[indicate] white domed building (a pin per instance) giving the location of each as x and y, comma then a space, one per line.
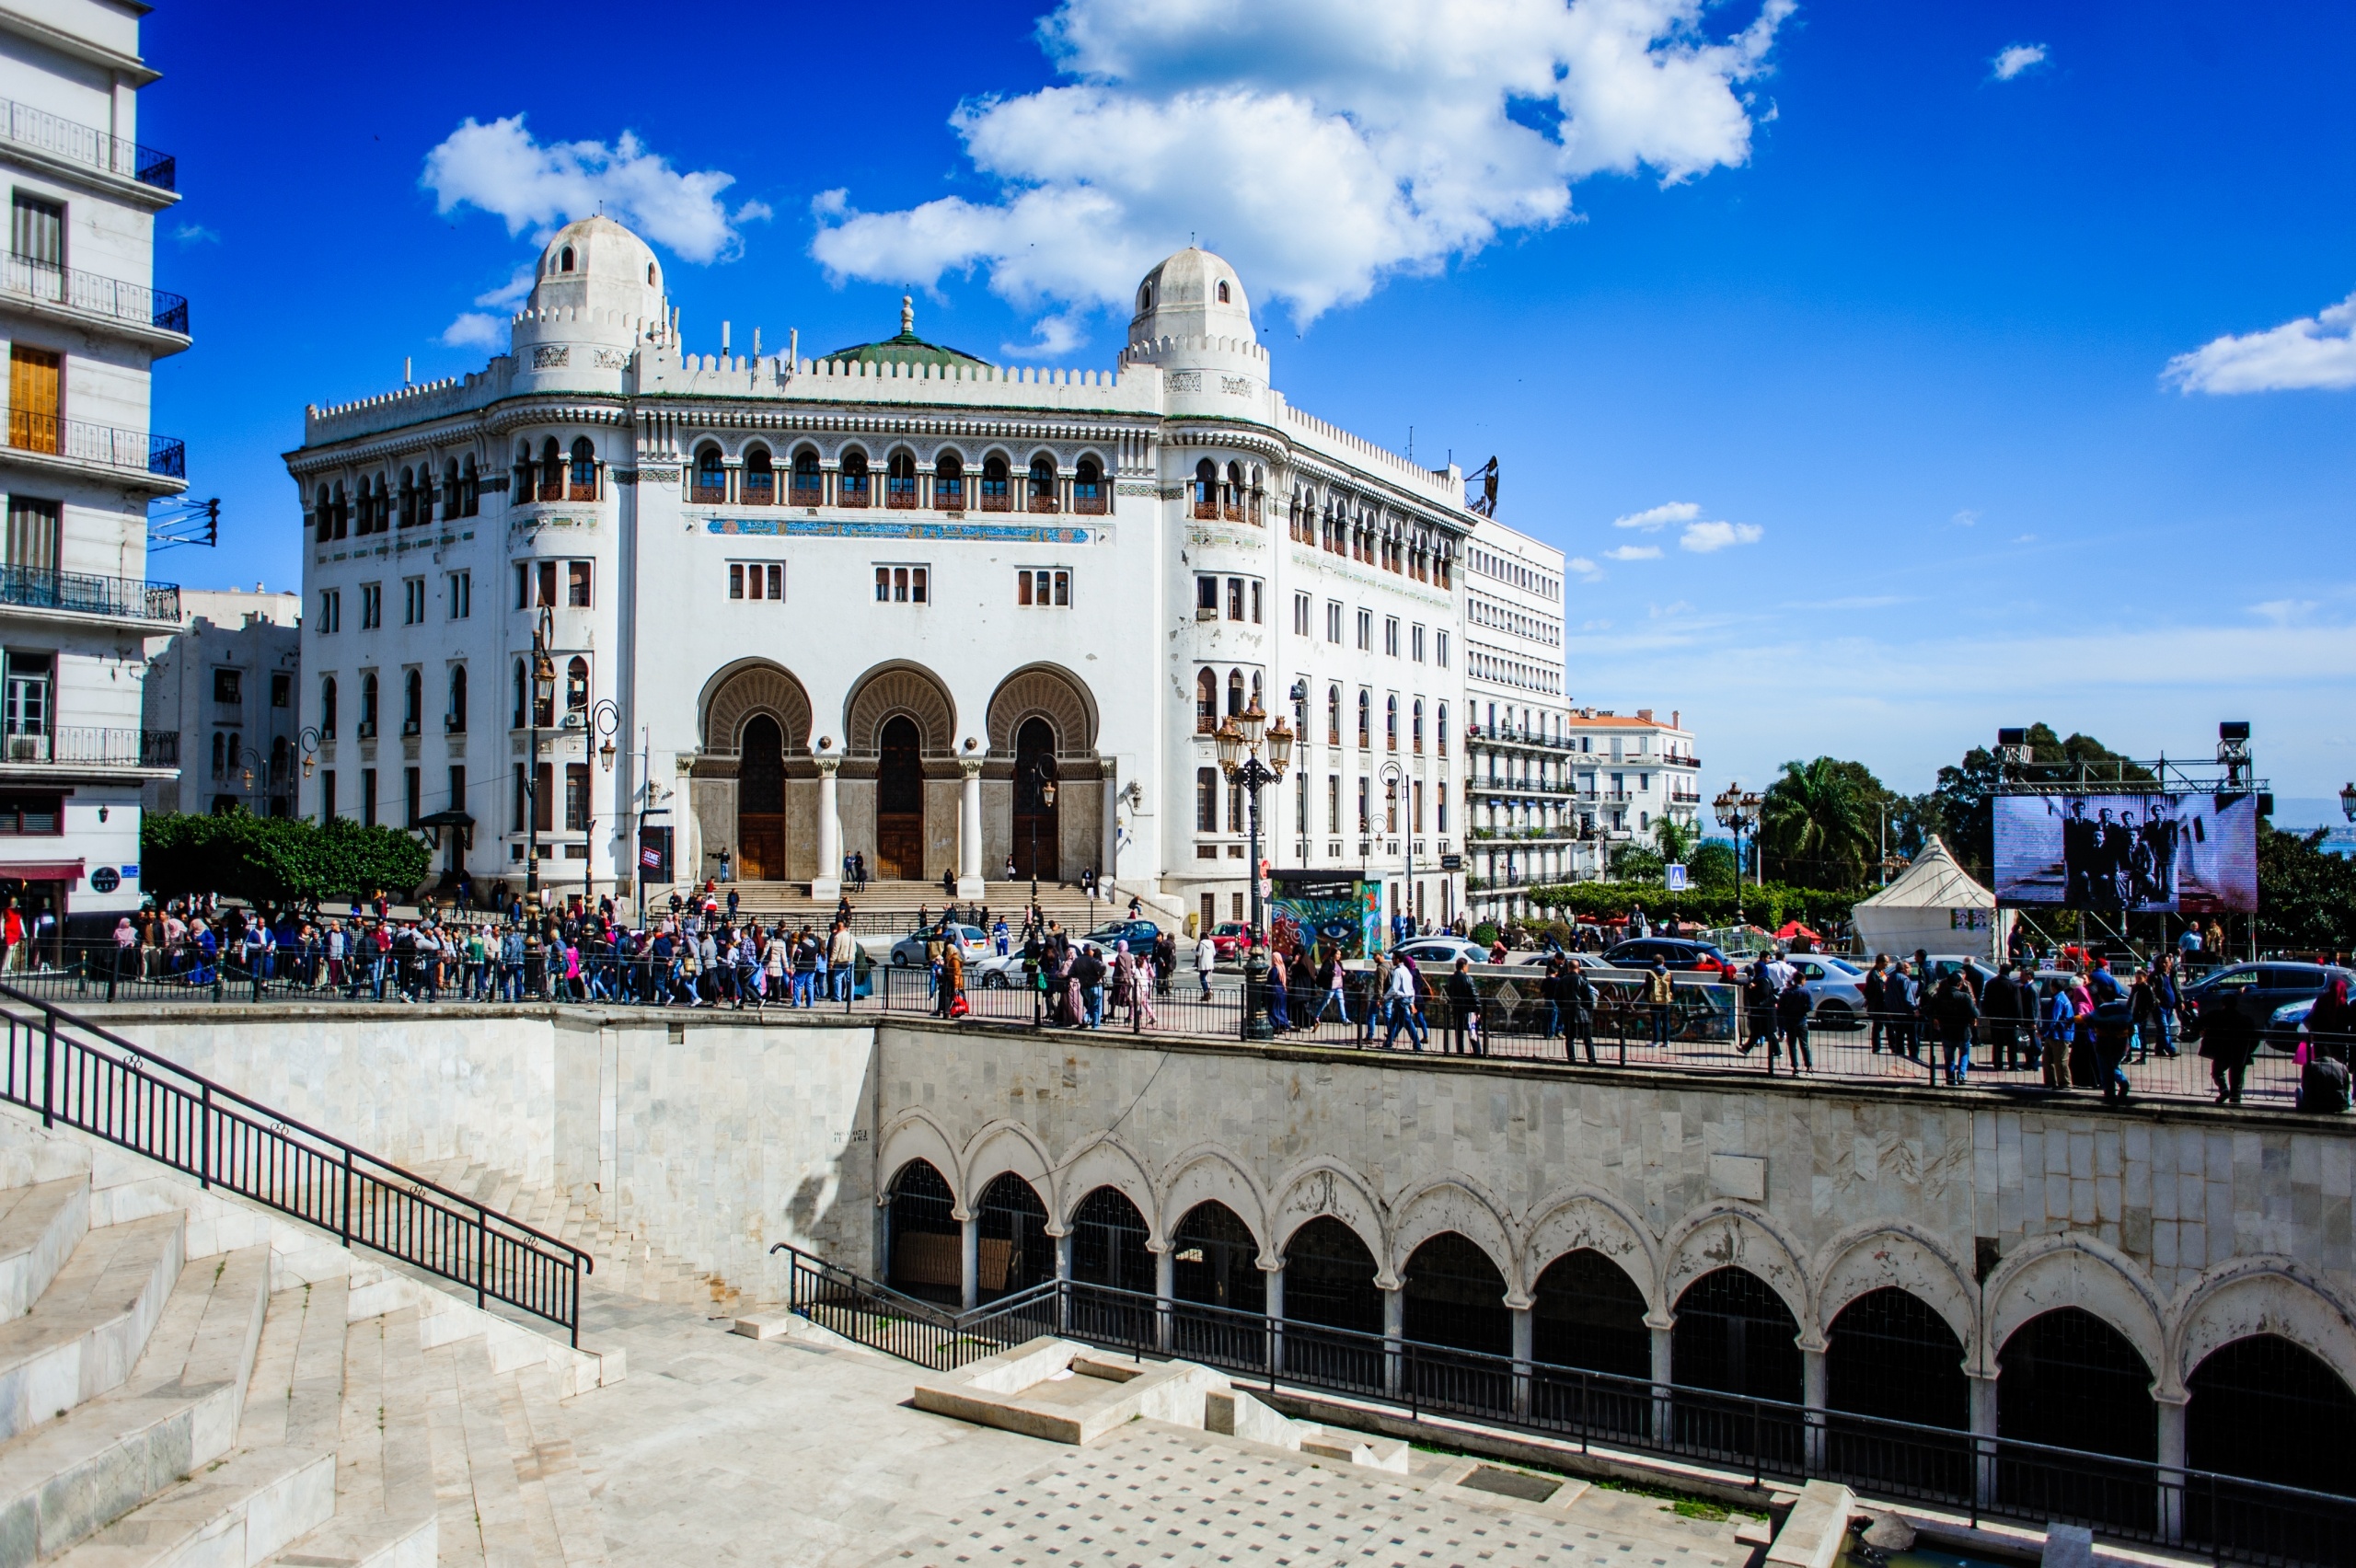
870, 601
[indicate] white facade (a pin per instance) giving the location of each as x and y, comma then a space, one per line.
226, 684
83, 324
1524, 831
864, 601
1631, 771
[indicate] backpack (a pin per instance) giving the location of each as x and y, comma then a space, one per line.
2323, 1087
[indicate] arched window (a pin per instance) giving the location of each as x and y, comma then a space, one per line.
710, 484
326, 708
452, 501
455, 720
1088, 486
809, 484
384, 506
407, 500
650, 275
1442, 734
948, 483
1043, 483
1456, 1296
1222, 288
759, 486
1235, 691
1416, 731
1233, 510
1145, 298
1366, 720
322, 518
1206, 703
583, 482
900, 480
368, 707
1390, 724
552, 470
220, 753
1207, 800
851, 489
1256, 692
576, 688
413, 702
342, 508
1334, 716
996, 496
524, 472
469, 489
1206, 488
564, 260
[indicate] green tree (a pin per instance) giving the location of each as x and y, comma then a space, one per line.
1674, 839
1962, 806
1636, 862
1810, 821
1712, 866
276, 860
2306, 895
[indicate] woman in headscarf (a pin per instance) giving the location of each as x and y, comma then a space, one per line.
2331, 1023
1135, 979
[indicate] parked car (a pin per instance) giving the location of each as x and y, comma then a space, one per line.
1139, 934
1835, 988
1677, 953
1227, 939
2259, 991
2287, 1025
1439, 954
972, 941
995, 974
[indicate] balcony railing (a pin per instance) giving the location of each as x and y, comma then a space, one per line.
806, 495
707, 495
53, 437
51, 284
86, 745
36, 588
900, 495
30, 127
1043, 501
1089, 504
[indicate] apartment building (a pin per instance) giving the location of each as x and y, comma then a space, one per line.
1630, 771
224, 687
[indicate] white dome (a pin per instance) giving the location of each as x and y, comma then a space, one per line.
597, 265
1192, 294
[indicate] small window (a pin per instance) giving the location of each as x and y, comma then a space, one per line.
1255, 603
901, 585
326, 708
1415, 644
1222, 291
1300, 615
576, 584
1235, 598
282, 689
1439, 649
227, 687
1390, 636
576, 686
31, 815
1366, 632
564, 260
1043, 587
372, 606
462, 594
1207, 594
412, 600
757, 580
1334, 623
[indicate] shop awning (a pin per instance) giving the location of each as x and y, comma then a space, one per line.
42, 871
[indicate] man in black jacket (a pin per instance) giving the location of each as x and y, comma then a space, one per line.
1463, 1012
2003, 1009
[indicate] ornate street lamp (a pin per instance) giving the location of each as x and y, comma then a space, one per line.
1737, 811
543, 690
1238, 742
1043, 781
2348, 801
603, 719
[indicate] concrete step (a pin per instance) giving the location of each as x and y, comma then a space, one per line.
177, 1412
39, 1227
295, 1395
509, 1486
364, 1541
88, 1328
238, 1512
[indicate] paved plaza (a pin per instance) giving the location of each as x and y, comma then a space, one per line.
719, 1450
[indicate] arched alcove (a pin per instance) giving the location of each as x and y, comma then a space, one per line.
1014, 1251
1735, 1335
926, 1242
2067, 1379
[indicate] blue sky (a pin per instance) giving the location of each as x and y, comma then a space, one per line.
1895, 308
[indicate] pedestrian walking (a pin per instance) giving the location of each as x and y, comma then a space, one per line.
1463, 1012
1658, 993
1791, 1019
1953, 1013
1206, 960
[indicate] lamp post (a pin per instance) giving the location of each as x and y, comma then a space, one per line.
1395, 788
1737, 811
1043, 781
602, 719
1239, 758
2348, 801
543, 690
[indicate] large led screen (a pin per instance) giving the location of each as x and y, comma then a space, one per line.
2138, 854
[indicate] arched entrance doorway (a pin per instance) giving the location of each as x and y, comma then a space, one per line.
760, 801
1214, 1262
926, 1242
1035, 825
2067, 1379
899, 800
2267, 1410
1587, 1313
1108, 1237
1890, 1356
1733, 1335
1329, 1283
1015, 1251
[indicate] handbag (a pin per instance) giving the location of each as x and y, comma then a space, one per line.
957, 1006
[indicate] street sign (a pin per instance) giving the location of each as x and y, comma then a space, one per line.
1452, 862
1674, 877
105, 879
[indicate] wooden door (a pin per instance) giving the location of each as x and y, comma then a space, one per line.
34, 378
899, 801
760, 801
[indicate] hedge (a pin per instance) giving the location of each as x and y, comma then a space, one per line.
1769, 907
277, 861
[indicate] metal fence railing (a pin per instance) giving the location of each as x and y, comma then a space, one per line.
1976, 1475
28, 277
72, 1071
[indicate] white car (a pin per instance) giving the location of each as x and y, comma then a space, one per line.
1441, 952
971, 943
995, 974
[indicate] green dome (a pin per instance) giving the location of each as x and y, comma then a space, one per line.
905, 349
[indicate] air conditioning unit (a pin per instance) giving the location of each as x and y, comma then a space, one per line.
1206, 612
24, 748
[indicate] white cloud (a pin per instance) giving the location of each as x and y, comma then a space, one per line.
1967, 518
1320, 146
1704, 539
1653, 518
1587, 570
503, 170
473, 330
1634, 552
2285, 611
1052, 337
2315, 353
196, 234
511, 292
1666, 612
2010, 63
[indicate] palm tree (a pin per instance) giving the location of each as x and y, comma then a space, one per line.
1812, 816
1676, 840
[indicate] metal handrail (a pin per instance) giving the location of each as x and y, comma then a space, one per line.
108, 1086
30, 127
31, 278
50, 436
36, 587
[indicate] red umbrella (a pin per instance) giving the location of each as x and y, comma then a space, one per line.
1793, 928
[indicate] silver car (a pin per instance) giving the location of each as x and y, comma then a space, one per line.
1835, 987
971, 943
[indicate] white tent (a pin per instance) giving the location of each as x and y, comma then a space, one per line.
1933, 906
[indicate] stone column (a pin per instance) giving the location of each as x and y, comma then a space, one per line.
1165, 1283
1275, 1273
969, 1261
1815, 1380
1524, 1336
1984, 1426
1063, 1275
969, 831
2171, 1404
1664, 1369
1394, 1328
828, 882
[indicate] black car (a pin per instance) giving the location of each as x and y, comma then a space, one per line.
1676, 951
2255, 990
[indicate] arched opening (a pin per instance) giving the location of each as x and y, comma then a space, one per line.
761, 801
900, 800
1891, 1356
552, 470
326, 708
1733, 1335
1088, 486
1587, 1314
759, 485
1206, 703
1043, 484
711, 483
809, 483
2267, 1410
407, 500
1455, 1296
455, 721
1206, 488
1234, 692
1329, 1283
582, 481
900, 480
996, 496
948, 483
368, 707
576, 689
1108, 1239
850, 486
926, 1242
564, 260
2067, 1379
1222, 291
1215, 1260
1014, 1251
413, 702
1036, 824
